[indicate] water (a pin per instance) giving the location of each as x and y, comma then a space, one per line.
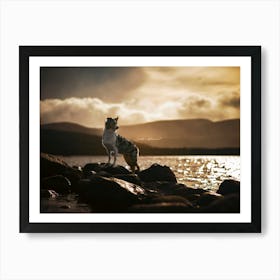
206, 172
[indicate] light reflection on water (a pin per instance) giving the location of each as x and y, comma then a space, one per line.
206, 172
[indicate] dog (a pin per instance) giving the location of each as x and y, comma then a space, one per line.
114, 144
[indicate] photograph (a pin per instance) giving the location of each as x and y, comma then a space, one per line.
140, 139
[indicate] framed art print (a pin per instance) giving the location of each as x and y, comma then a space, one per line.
140, 138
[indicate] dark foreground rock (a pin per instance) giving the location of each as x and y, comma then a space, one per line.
164, 204
100, 188
58, 183
227, 204
157, 173
163, 207
110, 194
51, 165
49, 194
102, 167
132, 178
63, 204
171, 188
207, 198
229, 187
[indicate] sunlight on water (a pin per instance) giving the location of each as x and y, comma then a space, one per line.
206, 172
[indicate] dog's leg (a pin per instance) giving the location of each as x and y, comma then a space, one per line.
135, 155
115, 155
132, 167
109, 157
130, 161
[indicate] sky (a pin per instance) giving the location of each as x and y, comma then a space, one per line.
88, 95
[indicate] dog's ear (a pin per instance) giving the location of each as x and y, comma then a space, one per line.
116, 119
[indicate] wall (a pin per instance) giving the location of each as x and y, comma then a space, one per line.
138, 256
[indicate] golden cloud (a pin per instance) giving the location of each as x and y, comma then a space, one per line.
141, 94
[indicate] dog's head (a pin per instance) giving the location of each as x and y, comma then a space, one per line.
112, 123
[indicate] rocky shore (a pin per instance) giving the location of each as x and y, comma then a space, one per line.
99, 188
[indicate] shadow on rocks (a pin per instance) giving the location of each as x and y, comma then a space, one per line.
110, 194
227, 204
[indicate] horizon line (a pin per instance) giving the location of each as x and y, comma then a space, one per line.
164, 120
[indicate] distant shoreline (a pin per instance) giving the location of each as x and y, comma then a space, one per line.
168, 152
185, 137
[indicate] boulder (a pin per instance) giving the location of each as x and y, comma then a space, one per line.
79, 168
157, 172
188, 192
115, 170
96, 167
58, 183
163, 207
48, 193
132, 178
63, 204
103, 174
226, 204
171, 188
171, 199
102, 167
229, 187
51, 165
207, 198
109, 194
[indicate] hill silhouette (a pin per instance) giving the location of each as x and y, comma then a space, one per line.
191, 133
199, 133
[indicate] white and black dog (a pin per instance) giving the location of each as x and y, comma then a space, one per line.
114, 144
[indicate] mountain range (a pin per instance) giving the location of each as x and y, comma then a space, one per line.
160, 137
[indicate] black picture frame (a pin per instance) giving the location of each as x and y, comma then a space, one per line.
254, 52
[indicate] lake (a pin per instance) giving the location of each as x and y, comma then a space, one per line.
206, 172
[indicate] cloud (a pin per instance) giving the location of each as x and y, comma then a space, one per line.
196, 77
89, 95
106, 83
90, 112
231, 100
196, 106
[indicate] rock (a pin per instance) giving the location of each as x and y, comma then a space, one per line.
104, 174
172, 199
57, 183
164, 207
90, 173
187, 192
96, 167
79, 168
207, 198
115, 170
65, 206
170, 188
110, 194
51, 165
132, 178
157, 172
227, 204
48, 193
229, 187
163, 204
